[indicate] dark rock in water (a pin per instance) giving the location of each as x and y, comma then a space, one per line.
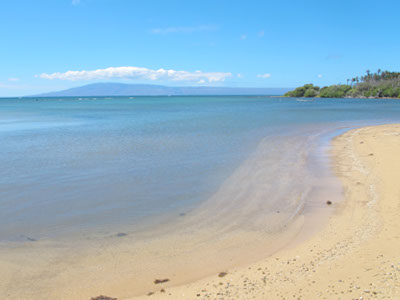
158, 281
222, 274
182, 214
101, 297
329, 202
31, 239
121, 234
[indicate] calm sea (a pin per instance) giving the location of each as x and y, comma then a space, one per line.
74, 166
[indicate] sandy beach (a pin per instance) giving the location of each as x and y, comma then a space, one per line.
356, 255
350, 252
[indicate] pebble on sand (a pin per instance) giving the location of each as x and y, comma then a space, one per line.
222, 274
158, 281
101, 297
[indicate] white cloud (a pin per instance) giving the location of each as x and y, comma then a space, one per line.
76, 2
243, 37
319, 76
13, 79
168, 30
261, 33
138, 73
266, 75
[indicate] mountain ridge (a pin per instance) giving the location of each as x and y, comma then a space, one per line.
124, 89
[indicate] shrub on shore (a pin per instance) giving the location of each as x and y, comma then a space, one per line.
308, 90
380, 84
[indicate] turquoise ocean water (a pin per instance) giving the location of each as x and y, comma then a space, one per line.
73, 166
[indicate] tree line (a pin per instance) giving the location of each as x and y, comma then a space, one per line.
381, 84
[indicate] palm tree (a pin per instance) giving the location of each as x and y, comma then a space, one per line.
368, 77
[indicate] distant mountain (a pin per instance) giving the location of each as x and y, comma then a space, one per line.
121, 89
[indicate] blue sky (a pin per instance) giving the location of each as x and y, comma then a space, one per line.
214, 42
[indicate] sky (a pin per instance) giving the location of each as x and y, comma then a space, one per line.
49, 45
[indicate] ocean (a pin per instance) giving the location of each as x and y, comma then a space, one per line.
80, 172
83, 164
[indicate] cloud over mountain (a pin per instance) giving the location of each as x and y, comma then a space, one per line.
138, 73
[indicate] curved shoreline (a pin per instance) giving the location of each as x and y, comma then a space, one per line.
303, 261
235, 227
355, 255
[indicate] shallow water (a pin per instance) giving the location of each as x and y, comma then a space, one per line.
73, 166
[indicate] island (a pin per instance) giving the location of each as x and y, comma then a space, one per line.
373, 85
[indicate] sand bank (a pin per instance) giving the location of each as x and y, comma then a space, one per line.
258, 210
356, 256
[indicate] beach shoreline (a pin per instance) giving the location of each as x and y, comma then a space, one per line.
327, 251
233, 228
354, 257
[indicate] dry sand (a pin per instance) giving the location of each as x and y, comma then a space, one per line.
357, 254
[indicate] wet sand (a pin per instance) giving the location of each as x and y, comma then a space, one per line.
355, 256
246, 220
